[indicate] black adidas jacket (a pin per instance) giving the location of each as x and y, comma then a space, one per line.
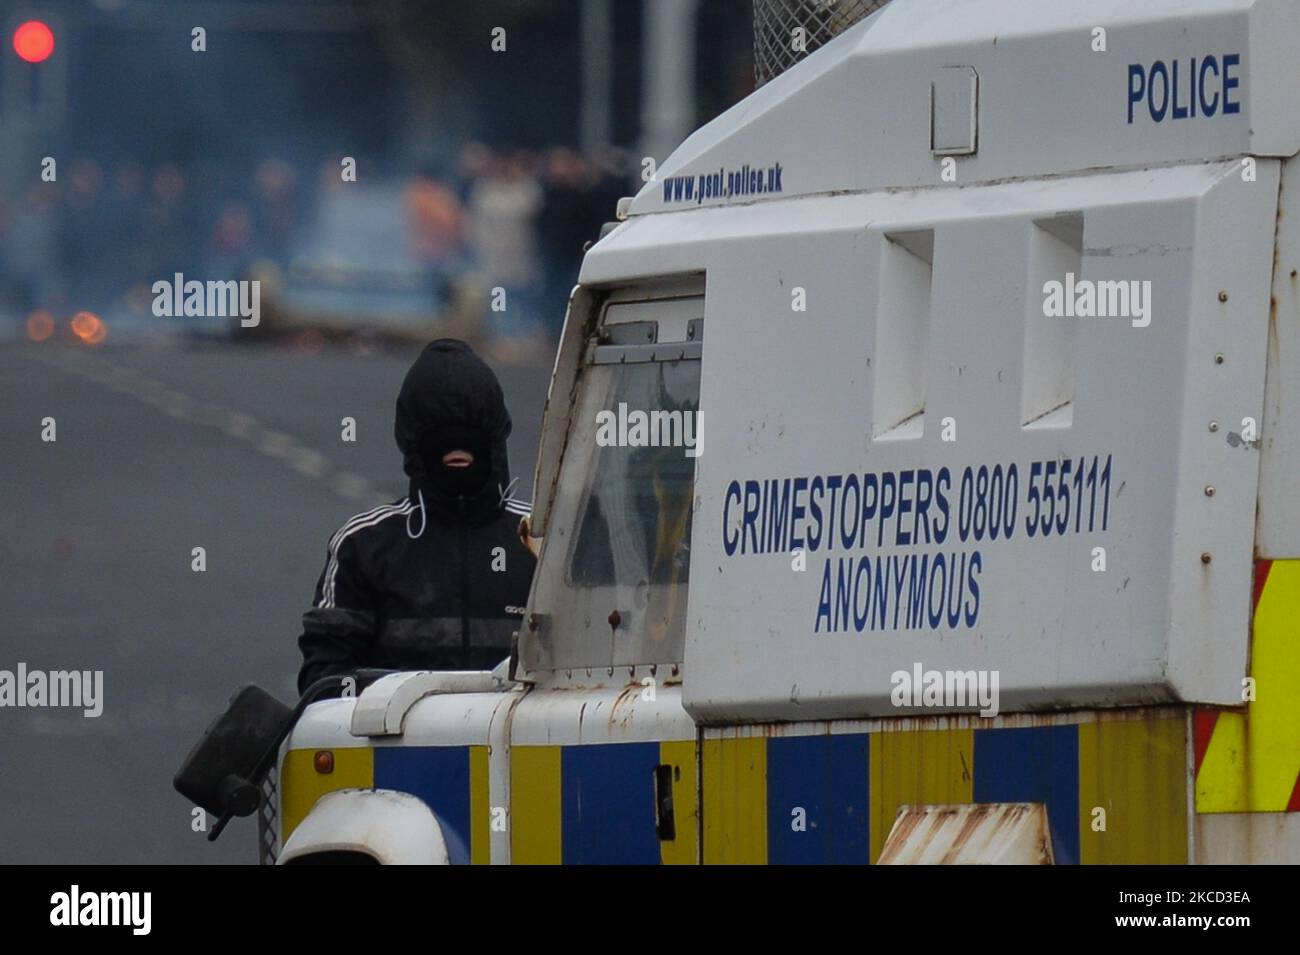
429, 582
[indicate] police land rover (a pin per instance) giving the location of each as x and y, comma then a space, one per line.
990, 550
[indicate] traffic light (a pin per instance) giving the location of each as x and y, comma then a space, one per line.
34, 76
34, 41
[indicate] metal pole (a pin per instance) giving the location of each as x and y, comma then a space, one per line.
668, 76
597, 31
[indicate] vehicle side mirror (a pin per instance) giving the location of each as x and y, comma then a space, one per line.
221, 773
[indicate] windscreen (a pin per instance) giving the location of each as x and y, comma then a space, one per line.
612, 582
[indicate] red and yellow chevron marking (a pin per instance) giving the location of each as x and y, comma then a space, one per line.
1250, 762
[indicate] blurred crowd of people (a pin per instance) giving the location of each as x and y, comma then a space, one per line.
97, 239
497, 234
510, 226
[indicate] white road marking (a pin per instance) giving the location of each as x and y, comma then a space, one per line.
243, 427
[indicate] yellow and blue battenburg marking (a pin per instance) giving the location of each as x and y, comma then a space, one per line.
833, 797
452, 780
595, 804
1114, 791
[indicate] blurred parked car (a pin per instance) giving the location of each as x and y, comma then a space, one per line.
354, 271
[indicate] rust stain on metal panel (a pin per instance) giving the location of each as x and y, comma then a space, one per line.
620, 714
983, 833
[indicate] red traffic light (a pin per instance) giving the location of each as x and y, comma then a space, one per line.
34, 41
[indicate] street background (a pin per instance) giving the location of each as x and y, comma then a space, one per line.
476, 170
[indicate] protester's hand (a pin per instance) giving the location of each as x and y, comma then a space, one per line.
534, 544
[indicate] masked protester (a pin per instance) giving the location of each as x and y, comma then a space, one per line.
437, 580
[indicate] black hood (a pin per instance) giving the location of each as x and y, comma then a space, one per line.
449, 388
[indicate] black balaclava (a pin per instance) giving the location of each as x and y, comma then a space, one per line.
451, 401
435, 443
